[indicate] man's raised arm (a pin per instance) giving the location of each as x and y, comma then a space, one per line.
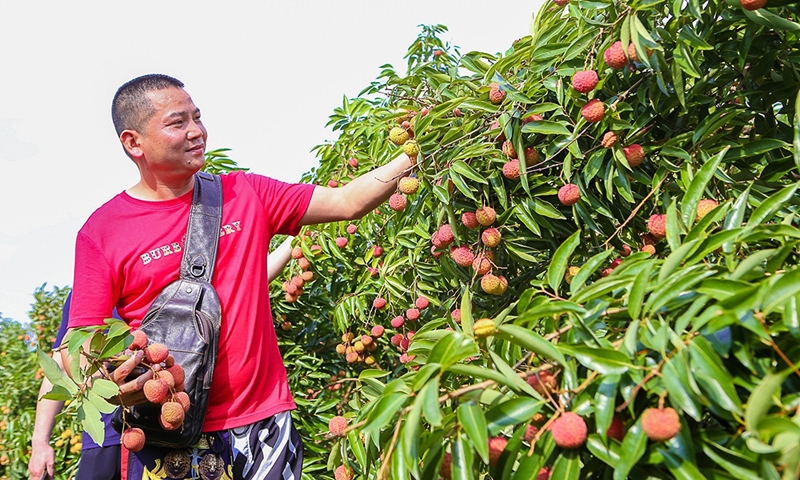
358, 197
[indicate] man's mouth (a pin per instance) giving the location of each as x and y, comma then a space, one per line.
197, 148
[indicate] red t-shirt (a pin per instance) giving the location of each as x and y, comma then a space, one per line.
130, 249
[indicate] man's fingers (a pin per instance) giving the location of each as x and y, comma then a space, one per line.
118, 376
136, 384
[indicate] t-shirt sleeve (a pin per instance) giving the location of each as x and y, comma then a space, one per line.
284, 203
93, 287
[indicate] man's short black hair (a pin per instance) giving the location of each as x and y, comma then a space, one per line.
131, 108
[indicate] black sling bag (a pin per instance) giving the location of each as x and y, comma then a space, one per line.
186, 318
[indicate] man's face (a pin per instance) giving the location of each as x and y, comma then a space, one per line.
173, 140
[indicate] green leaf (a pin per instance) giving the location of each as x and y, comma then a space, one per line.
452, 348
760, 400
472, 420
512, 412
429, 396
771, 205
530, 340
385, 409
558, 265
588, 268
674, 260
634, 446
465, 170
54, 373
796, 137
104, 388
546, 127
466, 312
712, 376
567, 466
681, 468
481, 372
697, 188
357, 448
91, 422
517, 382
58, 393
462, 468
785, 287
604, 360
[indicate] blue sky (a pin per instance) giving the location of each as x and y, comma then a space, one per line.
266, 76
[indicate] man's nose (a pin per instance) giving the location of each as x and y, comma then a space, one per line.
195, 130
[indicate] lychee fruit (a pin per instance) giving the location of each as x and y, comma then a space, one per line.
379, 303
397, 321
183, 399
396, 339
377, 250
457, 112
166, 377
509, 150
398, 135
651, 249
408, 185
570, 273
531, 118
377, 331
569, 194
353, 162
445, 235
337, 425
333, 183
446, 469
485, 216
753, 4
470, 220
305, 264
307, 276
133, 439
561, 3
456, 315
482, 265
421, 302
341, 242
626, 250
660, 424
155, 390
351, 356
412, 314
411, 148
491, 284
704, 207
398, 202
342, 473
615, 56
530, 433
531, 157
511, 169
156, 353
634, 154
496, 95
543, 382
617, 429
172, 413
496, 447
593, 111
584, 81
139, 340
609, 139
462, 255
491, 237
632, 55
484, 327
544, 473
352, 229
657, 225
569, 430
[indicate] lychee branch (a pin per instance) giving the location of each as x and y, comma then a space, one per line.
635, 211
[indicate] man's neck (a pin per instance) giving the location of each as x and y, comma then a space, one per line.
153, 190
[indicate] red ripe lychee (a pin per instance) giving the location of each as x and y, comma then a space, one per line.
651, 249
496, 447
177, 373
491, 237
291, 289
398, 202
133, 439
351, 356
139, 340
351, 229
632, 51
456, 315
353, 162
615, 56
606, 272
531, 157
156, 353
561, 3
304, 263
398, 321
172, 413
543, 382
509, 150
462, 255
436, 241
470, 220
457, 112
379, 303
496, 95
166, 377
544, 473
396, 339
183, 399
660, 424
406, 358
584, 81
155, 390
333, 183
342, 473
422, 302
408, 185
593, 111
634, 154
530, 433
337, 425
626, 250
531, 118
704, 207
501, 137
617, 429
657, 225
485, 216
377, 331
511, 169
307, 276
609, 139
297, 253
753, 4
569, 430
616, 263
410, 334
482, 265
170, 361
377, 250
446, 236
341, 242
297, 281
412, 314
437, 53
569, 194
445, 470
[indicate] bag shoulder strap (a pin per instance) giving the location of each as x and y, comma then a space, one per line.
202, 235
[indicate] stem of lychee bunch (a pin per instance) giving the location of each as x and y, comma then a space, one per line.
635, 210
387, 458
542, 430
761, 320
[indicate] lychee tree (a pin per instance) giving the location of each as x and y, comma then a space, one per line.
641, 322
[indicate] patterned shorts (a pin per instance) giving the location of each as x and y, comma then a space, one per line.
269, 449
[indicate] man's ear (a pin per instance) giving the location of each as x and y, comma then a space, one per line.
131, 142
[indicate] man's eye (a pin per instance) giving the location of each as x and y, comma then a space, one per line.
178, 122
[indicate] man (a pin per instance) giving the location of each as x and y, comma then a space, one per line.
127, 252
98, 462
